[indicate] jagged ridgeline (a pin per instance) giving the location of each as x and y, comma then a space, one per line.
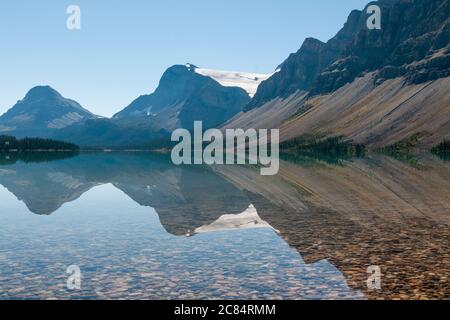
375, 87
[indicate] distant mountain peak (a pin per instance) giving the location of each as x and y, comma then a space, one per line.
40, 92
42, 110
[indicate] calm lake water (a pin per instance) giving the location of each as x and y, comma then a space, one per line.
139, 227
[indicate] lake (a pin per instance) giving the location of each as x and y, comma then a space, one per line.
139, 227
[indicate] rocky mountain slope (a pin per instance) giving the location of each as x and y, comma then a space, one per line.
375, 86
41, 112
183, 96
378, 116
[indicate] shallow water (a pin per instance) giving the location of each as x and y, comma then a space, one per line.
140, 228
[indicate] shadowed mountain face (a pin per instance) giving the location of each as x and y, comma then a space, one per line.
413, 42
42, 112
104, 133
374, 211
184, 96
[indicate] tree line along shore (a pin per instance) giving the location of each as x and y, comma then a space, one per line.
12, 144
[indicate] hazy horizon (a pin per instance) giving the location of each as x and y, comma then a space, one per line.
122, 49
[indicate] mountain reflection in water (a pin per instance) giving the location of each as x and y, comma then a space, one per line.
308, 233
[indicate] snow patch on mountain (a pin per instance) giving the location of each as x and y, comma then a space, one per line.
65, 120
245, 80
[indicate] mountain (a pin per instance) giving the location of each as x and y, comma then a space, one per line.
185, 95
377, 87
41, 112
114, 133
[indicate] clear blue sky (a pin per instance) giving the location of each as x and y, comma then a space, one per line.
124, 46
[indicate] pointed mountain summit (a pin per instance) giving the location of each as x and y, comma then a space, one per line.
42, 111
